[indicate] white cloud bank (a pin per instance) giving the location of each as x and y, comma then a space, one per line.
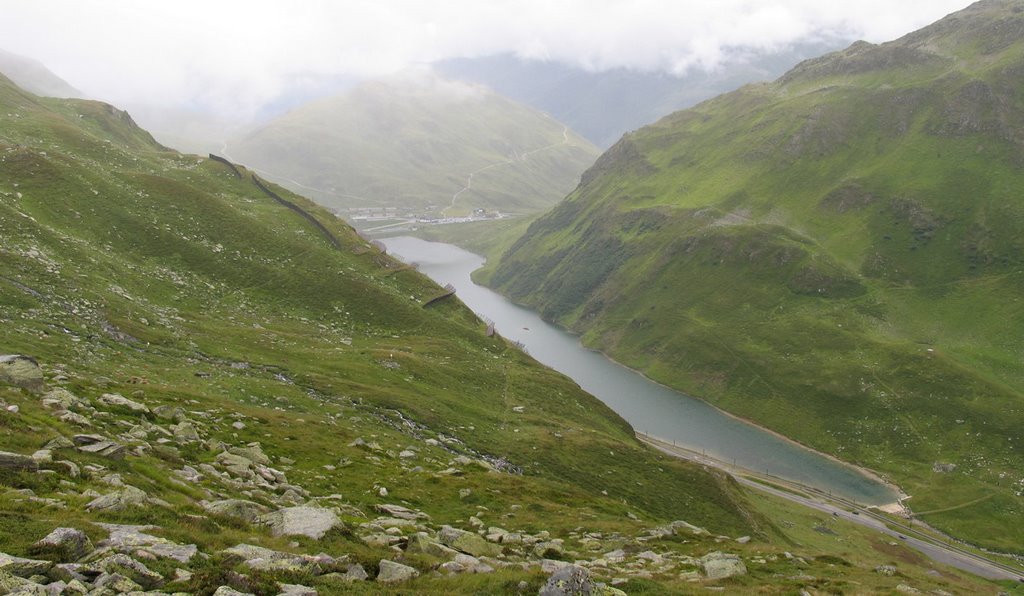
239, 55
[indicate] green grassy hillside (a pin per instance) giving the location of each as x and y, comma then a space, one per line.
413, 144
836, 255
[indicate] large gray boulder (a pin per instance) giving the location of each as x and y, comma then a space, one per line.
16, 461
68, 544
302, 521
391, 572
21, 371
718, 565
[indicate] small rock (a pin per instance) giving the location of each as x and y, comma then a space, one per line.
888, 570
229, 591
391, 572
356, 573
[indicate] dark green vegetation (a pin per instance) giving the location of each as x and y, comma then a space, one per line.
837, 255
413, 145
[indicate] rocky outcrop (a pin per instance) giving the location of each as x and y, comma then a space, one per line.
21, 371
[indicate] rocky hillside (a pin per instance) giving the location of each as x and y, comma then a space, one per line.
207, 389
415, 143
836, 255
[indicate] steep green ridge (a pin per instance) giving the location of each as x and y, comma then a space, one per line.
413, 144
836, 255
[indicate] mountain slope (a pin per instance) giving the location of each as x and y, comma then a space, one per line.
602, 106
836, 255
32, 76
414, 143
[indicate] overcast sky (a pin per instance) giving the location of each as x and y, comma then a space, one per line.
240, 54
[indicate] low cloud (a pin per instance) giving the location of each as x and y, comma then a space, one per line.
236, 57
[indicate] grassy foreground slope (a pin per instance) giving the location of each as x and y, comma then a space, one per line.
837, 255
413, 143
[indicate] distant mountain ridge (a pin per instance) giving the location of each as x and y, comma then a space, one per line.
33, 76
422, 143
837, 255
604, 105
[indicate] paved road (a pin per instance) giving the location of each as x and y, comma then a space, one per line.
932, 548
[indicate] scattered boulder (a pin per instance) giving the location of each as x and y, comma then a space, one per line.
186, 432
61, 399
941, 468
237, 508
420, 542
401, 512
296, 590
16, 461
718, 565
21, 371
129, 496
888, 570
116, 583
116, 400
356, 573
253, 452
229, 591
68, 544
468, 542
99, 445
302, 521
391, 572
